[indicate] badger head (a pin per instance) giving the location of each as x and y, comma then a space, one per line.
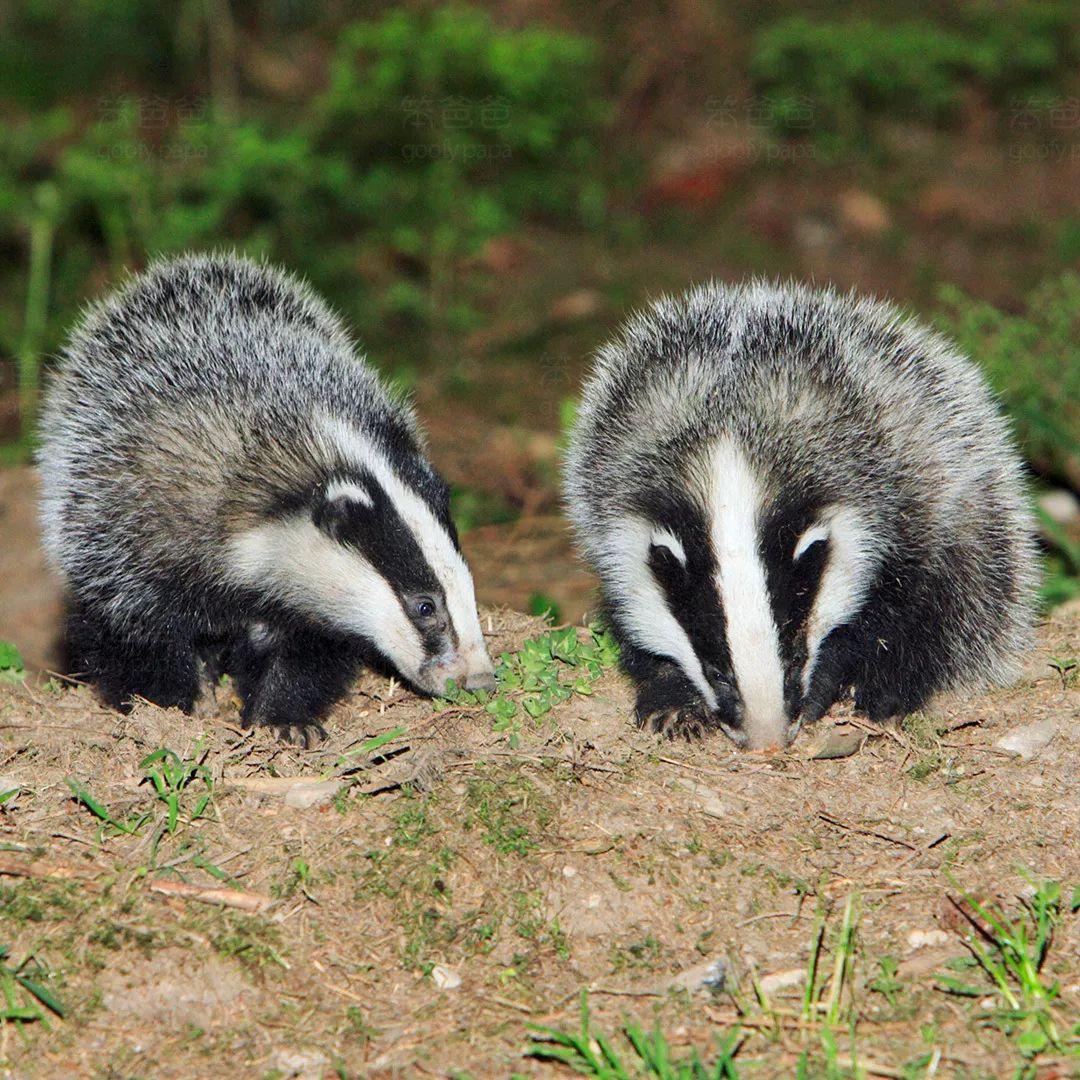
741, 585
373, 553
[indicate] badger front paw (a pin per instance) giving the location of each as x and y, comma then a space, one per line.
669, 704
306, 736
687, 722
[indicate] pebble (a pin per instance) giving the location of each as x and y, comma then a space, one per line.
445, 978
921, 939
299, 1064
1028, 740
707, 976
707, 799
782, 980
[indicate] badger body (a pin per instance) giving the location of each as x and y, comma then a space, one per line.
225, 482
790, 494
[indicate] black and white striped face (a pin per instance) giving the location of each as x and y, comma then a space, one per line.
740, 588
378, 557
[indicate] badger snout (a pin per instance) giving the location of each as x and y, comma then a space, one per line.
471, 672
481, 680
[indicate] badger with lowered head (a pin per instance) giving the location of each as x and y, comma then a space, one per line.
228, 487
790, 495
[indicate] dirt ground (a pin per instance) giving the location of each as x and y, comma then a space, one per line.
457, 883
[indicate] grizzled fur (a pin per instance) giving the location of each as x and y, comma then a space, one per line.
840, 471
217, 466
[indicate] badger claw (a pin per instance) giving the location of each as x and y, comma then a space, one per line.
689, 722
303, 735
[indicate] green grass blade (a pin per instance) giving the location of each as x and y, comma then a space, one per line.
44, 996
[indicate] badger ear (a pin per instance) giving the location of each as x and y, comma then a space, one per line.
665, 540
337, 505
815, 534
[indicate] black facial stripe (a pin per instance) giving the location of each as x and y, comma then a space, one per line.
691, 590
416, 474
380, 534
793, 585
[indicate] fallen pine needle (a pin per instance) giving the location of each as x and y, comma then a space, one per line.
212, 894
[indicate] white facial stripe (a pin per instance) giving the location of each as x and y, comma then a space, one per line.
344, 489
643, 608
854, 556
816, 532
444, 559
666, 538
734, 500
304, 568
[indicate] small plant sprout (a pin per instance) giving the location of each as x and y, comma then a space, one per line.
25, 999
1066, 667
886, 983
1010, 952
172, 775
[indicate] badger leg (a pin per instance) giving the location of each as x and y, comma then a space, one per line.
288, 679
904, 658
668, 703
124, 668
834, 669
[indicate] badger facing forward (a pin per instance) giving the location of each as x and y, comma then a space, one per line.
225, 483
790, 494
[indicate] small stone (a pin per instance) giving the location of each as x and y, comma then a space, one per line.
707, 800
707, 976
782, 980
593, 900
569, 871
921, 939
298, 1064
839, 741
1028, 740
445, 978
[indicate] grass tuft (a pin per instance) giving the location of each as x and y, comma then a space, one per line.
1010, 952
648, 1055
25, 998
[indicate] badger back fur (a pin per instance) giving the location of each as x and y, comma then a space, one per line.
223, 477
788, 494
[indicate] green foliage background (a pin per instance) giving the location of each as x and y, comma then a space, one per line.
379, 149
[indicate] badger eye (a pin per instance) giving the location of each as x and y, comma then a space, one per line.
424, 608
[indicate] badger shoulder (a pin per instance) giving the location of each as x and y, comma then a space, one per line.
219, 287
196, 399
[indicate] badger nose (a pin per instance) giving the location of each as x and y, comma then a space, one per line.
482, 680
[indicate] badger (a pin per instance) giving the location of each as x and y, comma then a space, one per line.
789, 496
227, 487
